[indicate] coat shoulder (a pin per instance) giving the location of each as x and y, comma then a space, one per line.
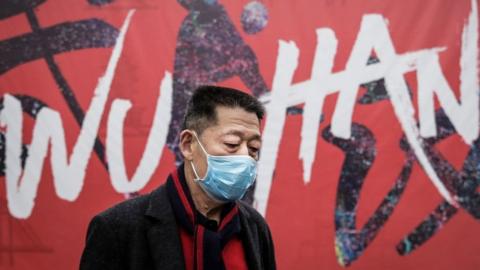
132, 211
251, 214
127, 209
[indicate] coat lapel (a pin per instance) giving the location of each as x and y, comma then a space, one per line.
163, 235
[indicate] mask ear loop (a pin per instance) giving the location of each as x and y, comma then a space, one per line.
191, 162
200, 143
197, 178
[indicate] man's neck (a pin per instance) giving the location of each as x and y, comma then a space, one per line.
203, 203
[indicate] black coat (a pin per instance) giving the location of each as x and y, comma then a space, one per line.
142, 233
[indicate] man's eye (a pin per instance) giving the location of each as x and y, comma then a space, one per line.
231, 145
253, 149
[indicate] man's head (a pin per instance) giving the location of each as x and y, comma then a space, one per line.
226, 121
201, 109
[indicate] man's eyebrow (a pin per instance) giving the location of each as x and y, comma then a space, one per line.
241, 135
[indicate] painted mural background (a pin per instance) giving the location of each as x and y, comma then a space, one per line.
370, 156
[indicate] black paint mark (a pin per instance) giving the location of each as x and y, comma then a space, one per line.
209, 50
60, 38
99, 2
9, 8
461, 184
360, 152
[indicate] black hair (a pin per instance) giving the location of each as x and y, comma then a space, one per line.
201, 109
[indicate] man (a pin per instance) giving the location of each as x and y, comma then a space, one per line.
195, 220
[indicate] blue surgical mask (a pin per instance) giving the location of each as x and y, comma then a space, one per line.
228, 177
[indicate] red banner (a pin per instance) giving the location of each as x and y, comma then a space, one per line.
370, 156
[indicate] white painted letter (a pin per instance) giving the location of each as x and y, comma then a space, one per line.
287, 62
155, 142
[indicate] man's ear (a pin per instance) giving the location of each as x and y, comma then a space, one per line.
185, 144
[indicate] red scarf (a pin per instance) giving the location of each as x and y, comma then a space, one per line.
209, 237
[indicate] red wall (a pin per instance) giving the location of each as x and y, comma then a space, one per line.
301, 215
